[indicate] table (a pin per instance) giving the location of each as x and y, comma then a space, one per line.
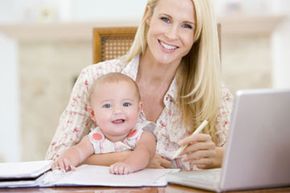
167, 189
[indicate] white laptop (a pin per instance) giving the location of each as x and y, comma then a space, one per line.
257, 154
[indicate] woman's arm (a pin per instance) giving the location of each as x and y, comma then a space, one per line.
201, 150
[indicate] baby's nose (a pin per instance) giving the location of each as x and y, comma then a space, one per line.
117, 109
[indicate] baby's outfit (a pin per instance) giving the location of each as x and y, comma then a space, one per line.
103, 145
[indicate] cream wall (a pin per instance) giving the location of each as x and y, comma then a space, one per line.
10, 144
246, 62
47, 74
281, 46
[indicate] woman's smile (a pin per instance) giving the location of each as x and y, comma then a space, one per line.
168, 47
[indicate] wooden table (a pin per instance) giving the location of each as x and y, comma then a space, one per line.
167, 189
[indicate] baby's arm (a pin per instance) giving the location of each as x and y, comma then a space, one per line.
107, 159
140, 156
75, 155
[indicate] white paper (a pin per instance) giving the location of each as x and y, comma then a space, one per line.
91, 175
32, 169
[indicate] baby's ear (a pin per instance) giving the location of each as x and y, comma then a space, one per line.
140, 106
91, 112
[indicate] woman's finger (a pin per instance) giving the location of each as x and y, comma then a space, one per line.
195, 139
198, 147
165, 163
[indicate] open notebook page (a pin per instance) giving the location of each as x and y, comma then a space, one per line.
18, 170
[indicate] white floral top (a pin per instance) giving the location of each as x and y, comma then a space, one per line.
75, 121
101, 144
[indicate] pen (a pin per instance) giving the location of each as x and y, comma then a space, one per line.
197, 131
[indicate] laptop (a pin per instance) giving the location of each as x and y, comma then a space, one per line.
257, 154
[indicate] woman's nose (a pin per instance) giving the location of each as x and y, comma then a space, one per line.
172, 32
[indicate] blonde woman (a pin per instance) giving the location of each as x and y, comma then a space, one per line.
175, 61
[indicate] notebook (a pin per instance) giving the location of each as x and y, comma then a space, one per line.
23, 170
84, 175
257, 154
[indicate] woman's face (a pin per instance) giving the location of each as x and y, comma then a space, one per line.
171, 30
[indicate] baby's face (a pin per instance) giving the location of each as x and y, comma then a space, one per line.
116, 108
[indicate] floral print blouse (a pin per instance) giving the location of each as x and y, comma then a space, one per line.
75, 121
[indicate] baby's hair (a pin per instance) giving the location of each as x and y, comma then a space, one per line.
114, 77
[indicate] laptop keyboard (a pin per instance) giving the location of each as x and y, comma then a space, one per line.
211, 176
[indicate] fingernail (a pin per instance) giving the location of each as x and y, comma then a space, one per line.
180, 142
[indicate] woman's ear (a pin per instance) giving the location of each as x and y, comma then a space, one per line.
91, 112
148, 15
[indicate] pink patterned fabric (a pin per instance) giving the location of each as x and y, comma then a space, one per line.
75, 120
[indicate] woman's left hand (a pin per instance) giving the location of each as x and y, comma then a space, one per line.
201, 151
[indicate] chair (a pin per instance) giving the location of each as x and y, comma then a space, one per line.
112, 42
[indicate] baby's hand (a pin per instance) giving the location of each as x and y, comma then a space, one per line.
121, 168
63, 164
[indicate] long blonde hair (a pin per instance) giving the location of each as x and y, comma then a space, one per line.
198, 76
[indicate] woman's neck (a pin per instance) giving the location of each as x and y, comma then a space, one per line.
154, 80
153, 72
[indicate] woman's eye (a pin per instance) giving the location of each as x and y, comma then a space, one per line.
165, 19
187, 26
127, 104
106, 106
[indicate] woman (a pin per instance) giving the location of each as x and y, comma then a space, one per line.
175, 62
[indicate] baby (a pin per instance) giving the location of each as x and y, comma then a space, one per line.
114, 106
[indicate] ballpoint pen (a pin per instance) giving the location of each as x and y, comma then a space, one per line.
197, 131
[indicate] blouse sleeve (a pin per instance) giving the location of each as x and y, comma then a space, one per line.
223, 117
75, 118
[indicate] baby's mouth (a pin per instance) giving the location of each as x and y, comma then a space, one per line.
118, 121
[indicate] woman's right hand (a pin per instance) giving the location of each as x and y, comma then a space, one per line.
159, 162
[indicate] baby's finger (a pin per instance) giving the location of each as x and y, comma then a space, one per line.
114, 169
111, 169
120, 169
67, 166
60, 165
126, 170
55, 166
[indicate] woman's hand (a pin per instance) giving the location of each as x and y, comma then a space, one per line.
159, 162
202, 151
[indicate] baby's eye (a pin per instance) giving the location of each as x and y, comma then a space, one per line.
127, 104
165, 19
106, 106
